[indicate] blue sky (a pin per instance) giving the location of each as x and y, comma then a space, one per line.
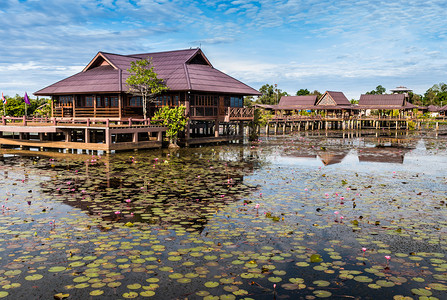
350, 46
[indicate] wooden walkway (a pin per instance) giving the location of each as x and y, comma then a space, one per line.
85, 134
285, 124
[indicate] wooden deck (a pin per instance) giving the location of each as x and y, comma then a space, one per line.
284, 123
77, 133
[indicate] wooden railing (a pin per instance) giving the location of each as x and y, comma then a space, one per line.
240, 113
99, 112
86, 112
33, 121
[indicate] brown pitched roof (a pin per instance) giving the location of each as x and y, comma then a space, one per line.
433, 108
338, 99
181, 70
297, 101
382, 100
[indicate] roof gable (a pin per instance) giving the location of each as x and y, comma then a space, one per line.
327, 100
331, 98
99, 60
199, 59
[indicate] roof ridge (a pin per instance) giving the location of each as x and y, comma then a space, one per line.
171, 51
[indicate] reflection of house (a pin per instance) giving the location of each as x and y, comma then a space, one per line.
190, 191
331, 157
303, 153
100, 90
382, 154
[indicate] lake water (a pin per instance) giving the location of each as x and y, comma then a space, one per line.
300, 216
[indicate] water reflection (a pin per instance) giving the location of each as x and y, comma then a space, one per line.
185, 188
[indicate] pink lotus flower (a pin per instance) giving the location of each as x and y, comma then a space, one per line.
257, 205
364, 249
117, 212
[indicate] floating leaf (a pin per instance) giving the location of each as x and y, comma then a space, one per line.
58, 296
322, 294
96, 293
211, 284
315, 258
34, 277
130, 295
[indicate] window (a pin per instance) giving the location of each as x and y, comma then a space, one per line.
135, 101
89, 101
114, 101
65, 100
236, 102
99, 101
175, 100
205, 100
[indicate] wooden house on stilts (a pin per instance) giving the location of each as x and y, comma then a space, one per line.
213, 99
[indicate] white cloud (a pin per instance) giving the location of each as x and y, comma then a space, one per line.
302, 40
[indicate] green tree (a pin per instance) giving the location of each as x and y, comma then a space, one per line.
302, 92
15, 106
415, 98
144, 82
174, 119
380, 90
270, 94
43, 110
315, 92
436, 95
248, 101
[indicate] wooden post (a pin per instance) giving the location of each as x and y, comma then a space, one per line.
87, 135
94, 106
120, 106
216, 128
74, 106
160, 136
68, 135
108, 138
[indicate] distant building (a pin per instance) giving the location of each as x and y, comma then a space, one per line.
401, 90
397, 101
